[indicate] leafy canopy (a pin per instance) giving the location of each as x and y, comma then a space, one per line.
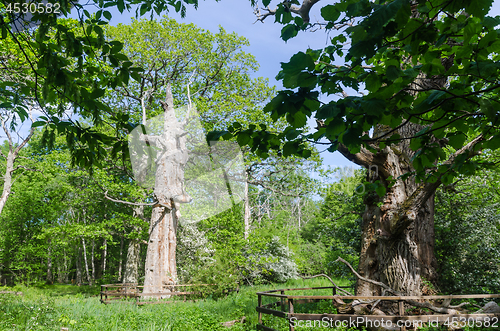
63, 63
390, 45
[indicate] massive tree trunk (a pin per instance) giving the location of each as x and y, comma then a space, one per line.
161, 268
394, 250
398, 237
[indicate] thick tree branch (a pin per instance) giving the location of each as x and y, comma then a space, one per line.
410, 208
303, 11
364, 158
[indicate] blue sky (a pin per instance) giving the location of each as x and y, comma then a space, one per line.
265, 42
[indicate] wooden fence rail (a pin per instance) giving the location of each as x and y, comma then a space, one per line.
118, 293
288, 310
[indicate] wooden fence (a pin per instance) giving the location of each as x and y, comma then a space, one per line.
288, 305
119, 293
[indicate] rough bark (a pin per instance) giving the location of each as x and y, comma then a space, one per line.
161, 268
131, 274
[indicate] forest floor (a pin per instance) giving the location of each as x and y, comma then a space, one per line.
53, 307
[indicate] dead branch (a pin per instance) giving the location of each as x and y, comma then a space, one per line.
331, 281
128, 202
428, 305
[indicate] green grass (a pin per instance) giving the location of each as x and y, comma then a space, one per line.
78, 308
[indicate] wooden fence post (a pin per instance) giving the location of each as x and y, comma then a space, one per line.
259, 303
402, 313
282, 301
290, 310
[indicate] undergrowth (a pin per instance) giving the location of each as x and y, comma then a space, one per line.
78, 308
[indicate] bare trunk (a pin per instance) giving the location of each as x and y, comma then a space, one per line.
161, 268
62, 269
11, 158
133, 253
7, 179
104, 253
299, 212
120, 262
79, 266
86, 262
405, 261
50, 278
92, 260
247, 215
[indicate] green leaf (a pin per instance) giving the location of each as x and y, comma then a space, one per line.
289, 31
478, 8
393, 72
298, 62
120, 4
38, 123
457, 140
299, 119
330, 13
243, 138
415, 144
289, 149
145, 7
380, 190
107, 14
493, 143
491, 22
372, 82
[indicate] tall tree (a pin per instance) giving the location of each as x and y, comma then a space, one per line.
208, 69
429, 69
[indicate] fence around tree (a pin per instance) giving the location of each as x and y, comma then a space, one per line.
132, 293
287, 307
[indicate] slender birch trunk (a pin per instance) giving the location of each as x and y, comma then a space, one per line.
247, 215
104, 253
92, 260
50, 278
86, 263
120, 262
79, 266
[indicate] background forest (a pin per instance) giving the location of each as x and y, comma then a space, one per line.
72, 211
58, 225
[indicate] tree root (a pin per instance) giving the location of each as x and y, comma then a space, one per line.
444, 309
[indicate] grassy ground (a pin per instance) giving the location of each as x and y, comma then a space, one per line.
78, 308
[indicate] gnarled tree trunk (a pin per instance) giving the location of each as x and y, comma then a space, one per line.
401, 257
161, 268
